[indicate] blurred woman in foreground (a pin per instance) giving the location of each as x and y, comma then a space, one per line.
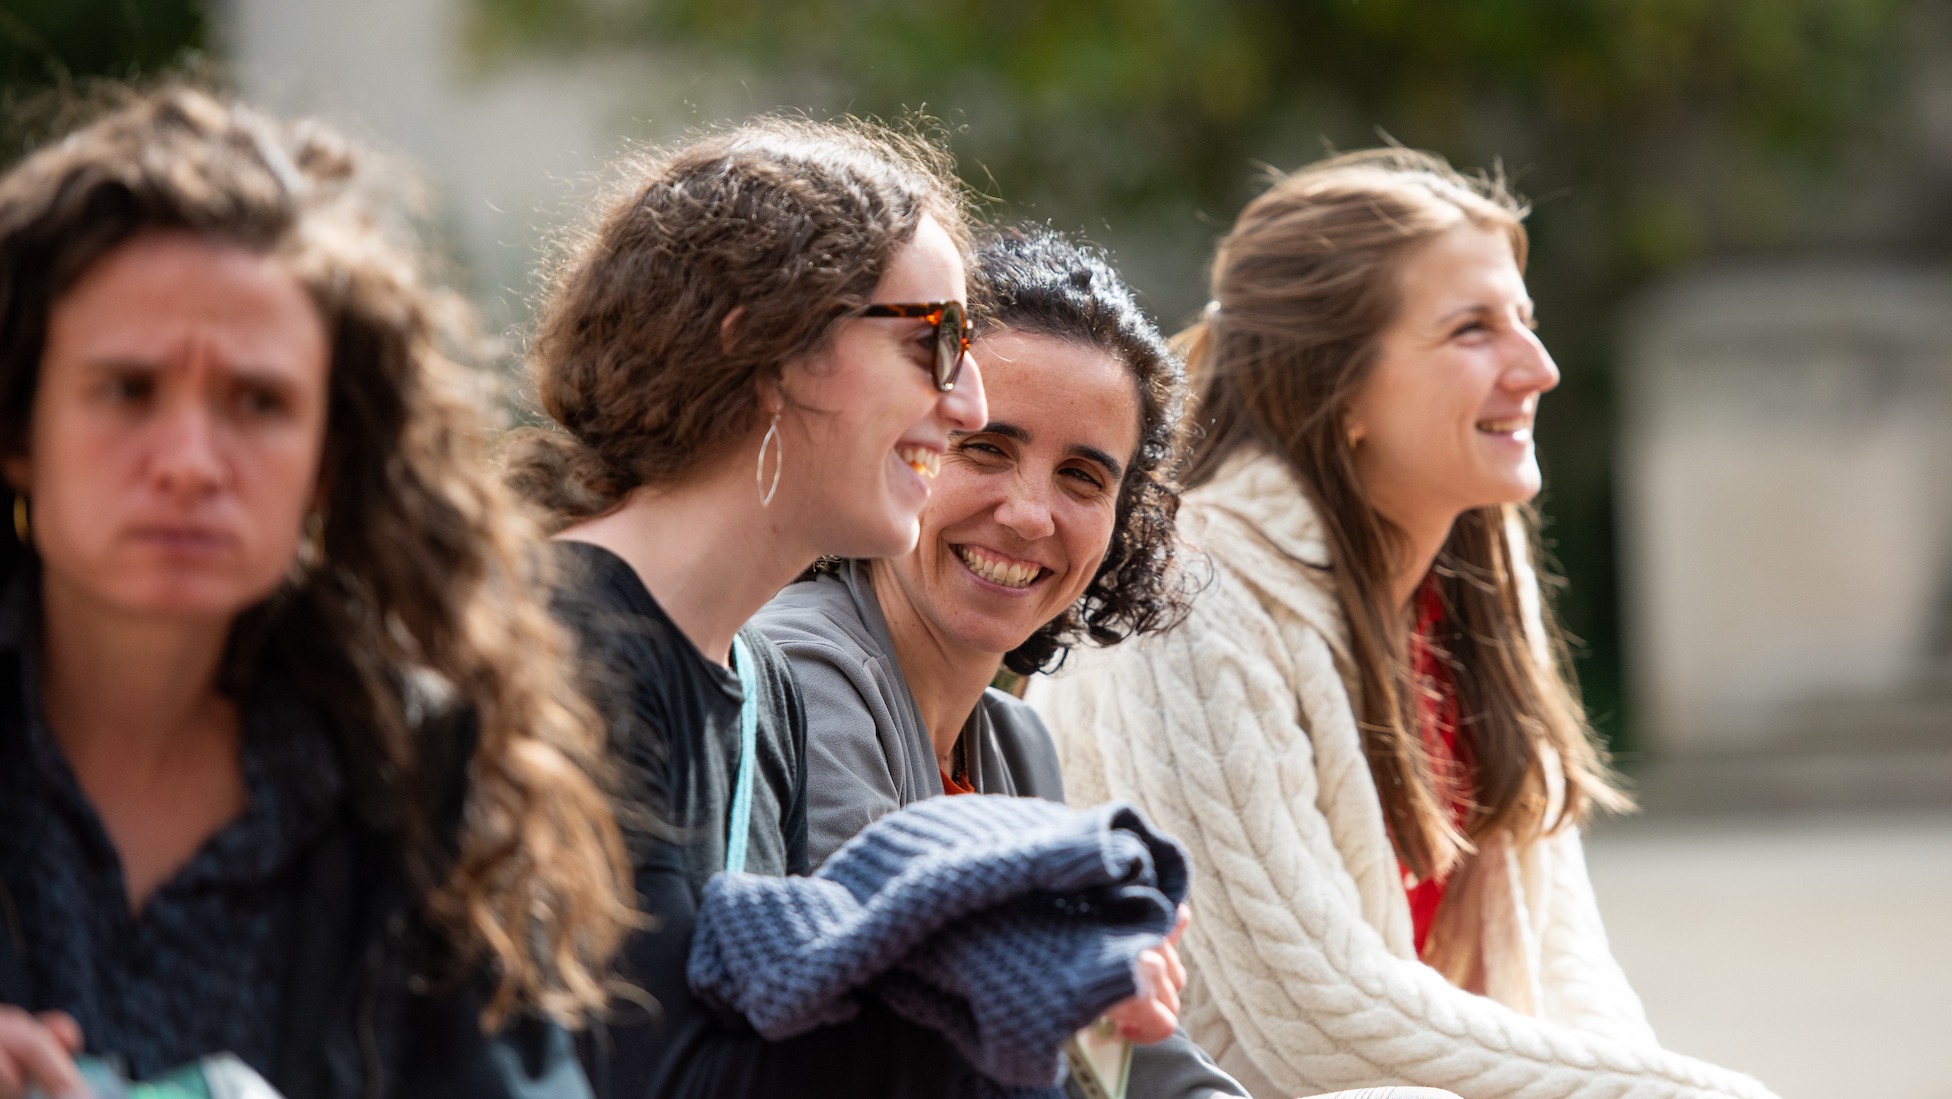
289, 766
1367, 731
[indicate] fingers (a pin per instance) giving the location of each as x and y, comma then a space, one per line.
1153, 1014
64, 1028
1180, 921
1175, 968
1143, 1020
33, 1054
1164, 991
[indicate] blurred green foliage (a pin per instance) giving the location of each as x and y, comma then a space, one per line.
1651, 133
51, 50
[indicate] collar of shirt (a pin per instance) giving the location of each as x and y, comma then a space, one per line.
292, 775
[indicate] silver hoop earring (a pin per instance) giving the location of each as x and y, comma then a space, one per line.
766, 490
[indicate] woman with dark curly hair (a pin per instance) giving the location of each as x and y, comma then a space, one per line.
1050, 525
755, 358
290, 765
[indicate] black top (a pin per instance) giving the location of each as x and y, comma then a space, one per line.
675, 724
655, 681
291, 938
205, 964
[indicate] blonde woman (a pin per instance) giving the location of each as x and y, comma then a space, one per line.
1367, 732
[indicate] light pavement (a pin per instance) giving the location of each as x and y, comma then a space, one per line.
1814, 952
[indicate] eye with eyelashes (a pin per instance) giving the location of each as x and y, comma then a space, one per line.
127, 386
135, 388
967, 445
983, 452
1478, 324
261, 401
1087, 478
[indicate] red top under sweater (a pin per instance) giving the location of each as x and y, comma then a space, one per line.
1437, 726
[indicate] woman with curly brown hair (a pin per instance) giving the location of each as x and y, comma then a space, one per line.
754, 359
289, 764
1367, 728
1050, 526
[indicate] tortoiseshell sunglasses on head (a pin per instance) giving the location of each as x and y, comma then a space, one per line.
953, 330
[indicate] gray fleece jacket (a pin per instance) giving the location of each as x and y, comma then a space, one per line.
868, 754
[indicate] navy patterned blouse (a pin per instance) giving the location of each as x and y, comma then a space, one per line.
203, 967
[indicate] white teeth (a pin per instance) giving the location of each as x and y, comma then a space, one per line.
1505, 427
997, 572
925, 462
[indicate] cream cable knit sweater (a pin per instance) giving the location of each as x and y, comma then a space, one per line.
1237, 734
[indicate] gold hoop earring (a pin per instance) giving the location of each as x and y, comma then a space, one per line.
23, 529
311, 548
767, 490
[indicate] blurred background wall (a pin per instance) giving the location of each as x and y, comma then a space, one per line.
1742, 261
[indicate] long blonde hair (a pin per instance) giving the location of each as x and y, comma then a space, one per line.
1304, 286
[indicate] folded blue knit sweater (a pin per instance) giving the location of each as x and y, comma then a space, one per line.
1005, 923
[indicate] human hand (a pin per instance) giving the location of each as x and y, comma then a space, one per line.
1153, 1014
38, 1051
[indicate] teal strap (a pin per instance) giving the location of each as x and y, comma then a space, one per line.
741, 823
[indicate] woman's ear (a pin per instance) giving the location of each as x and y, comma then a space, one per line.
728, 329
771, 393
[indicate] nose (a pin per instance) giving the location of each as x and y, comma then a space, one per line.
186, 461
1529, 367
965, 408
1026, 509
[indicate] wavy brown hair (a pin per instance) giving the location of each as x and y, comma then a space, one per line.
708, 267
1038, 281
1304, 287
422, 627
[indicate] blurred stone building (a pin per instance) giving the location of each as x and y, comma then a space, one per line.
1786, 527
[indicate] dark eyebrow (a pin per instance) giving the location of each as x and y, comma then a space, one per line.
1089, 453
248, 373
1093, 454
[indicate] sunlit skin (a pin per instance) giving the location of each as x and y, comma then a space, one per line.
858, 413
172, 455
1017, 526
1036, 488
848, 415
1443, 424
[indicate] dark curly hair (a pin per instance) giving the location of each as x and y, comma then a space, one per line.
1038, 281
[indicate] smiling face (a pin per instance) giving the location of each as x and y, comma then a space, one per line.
1443, 422
1025, 507
865, 428
177, 426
